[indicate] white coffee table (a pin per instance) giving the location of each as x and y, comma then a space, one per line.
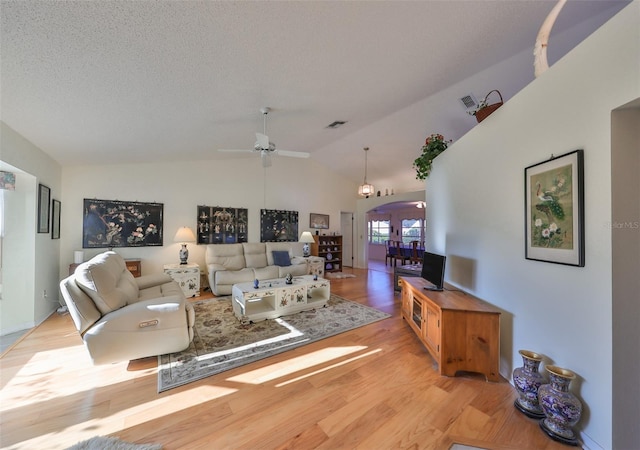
275, 298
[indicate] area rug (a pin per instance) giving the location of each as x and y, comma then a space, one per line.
111, 443
339, 275
222, 343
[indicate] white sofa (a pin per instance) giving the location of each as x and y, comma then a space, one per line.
121, 317
229, 264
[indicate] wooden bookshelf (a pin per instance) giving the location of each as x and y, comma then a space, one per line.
329, 248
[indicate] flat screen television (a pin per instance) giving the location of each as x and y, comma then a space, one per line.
433, 270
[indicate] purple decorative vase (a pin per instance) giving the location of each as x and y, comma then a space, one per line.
561, 408
527, 380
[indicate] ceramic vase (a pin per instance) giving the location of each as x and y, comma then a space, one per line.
184, 254
527, 380
562, 409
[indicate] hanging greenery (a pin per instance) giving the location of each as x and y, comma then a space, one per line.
433, 146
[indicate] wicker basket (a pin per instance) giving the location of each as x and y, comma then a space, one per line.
485, 112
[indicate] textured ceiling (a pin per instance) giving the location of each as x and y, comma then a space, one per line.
118, 81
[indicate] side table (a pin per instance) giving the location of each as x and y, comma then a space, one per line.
316, 265
134, 266
187, 276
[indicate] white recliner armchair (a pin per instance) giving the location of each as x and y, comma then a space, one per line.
121, 317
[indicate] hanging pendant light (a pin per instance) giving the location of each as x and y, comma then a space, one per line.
365, 188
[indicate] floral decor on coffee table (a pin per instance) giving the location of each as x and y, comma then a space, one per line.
433, 146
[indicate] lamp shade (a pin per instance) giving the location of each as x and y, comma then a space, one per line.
184, 234
307, 237
366, 190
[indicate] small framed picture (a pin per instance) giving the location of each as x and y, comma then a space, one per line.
554, 210
319, 221
44, 202
55, 219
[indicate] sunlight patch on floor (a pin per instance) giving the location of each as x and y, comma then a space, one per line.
296, 364
333, 366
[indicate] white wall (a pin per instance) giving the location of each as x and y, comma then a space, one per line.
291, 184
30, 259
475, 208
625, 227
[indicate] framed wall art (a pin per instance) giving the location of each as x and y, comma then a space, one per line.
318, 221
44, 204
114, 223
222, 225
55, 219
7, 180
554, 210
276, 225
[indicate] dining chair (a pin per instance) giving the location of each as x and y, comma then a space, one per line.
401, 253
389, 252
416, 257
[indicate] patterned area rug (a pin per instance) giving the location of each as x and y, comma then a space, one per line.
222, 343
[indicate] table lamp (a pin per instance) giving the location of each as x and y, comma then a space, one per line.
307, 238
184, 235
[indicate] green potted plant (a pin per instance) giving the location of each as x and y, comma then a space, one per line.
433, 146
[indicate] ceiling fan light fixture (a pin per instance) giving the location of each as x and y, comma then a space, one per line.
365, 189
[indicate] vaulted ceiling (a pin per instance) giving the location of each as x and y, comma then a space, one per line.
122, 82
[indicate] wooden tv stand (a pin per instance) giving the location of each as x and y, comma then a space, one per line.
461, 332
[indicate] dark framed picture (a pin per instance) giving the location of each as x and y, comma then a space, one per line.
44, 202
222, 225
114, 223
318, 221
278, 226
55, 219
554, 210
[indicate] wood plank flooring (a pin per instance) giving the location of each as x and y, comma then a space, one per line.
371, 388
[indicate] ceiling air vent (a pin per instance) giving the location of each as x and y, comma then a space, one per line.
336, 124
469, 101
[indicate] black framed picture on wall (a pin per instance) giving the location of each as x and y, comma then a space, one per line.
115, 223
55, 219
44, 202
278, 226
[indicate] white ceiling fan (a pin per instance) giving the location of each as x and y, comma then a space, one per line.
264, 147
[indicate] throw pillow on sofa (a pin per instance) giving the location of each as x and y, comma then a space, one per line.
281, 258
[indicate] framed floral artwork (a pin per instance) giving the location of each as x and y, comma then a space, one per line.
114, 223
554, 210
319, 221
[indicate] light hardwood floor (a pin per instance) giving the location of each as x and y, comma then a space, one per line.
371, 388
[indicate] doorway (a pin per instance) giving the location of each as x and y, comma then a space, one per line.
346, 229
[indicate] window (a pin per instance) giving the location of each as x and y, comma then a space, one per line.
378, 231
412, 230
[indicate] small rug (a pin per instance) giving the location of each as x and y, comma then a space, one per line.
222, 343
111, 443
339, 275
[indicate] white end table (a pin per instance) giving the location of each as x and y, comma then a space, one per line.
316, 265
187, 276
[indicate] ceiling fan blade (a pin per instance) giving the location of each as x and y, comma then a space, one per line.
262, 140
235, 150
294, 154
266, 158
